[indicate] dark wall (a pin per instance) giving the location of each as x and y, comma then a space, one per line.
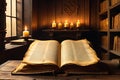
27, 14
60, 10
45, 11
2, 24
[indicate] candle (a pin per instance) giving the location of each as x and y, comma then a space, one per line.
78, 23
53, 24
71, 25
25, 32
66, 24
59, 25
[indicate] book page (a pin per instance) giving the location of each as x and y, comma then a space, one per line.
77, 52
42, 52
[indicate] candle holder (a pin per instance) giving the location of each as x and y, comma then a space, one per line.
26, 38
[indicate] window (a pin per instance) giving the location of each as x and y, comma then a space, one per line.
16, 17
11, 18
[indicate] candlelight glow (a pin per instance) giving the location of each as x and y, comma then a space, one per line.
71, 25
53, 24
78, 23
59, 25
66, 24
25, 28
25, 32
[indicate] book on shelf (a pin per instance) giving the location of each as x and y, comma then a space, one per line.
103, 6
114, 2
104, 24
116, 21
116, 44
69, 56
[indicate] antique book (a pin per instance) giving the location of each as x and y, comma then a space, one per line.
69, 56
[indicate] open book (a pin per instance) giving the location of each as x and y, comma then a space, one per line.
69, 56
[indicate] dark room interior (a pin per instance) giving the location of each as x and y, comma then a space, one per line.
93, 22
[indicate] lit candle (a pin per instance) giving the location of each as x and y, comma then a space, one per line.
25, 32
71, 25
78, 23
66, 24
59, 25
53, 24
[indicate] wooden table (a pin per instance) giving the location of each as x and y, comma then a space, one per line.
7, 67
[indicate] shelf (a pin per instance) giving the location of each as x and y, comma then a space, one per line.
115, 6
114, 30
114, 9
115, 52
103, 31
103, 15
65, 30
104, 48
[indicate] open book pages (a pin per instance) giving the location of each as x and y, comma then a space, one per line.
45, 56
42, 52
77, 52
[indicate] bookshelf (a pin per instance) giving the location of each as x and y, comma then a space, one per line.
109, 27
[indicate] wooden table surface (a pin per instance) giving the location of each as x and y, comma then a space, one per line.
7, 67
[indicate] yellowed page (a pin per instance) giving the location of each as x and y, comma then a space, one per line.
41, 52
77, 52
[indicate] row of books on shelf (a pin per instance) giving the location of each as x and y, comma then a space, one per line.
116, 44
114, 2
104, 24
104, 4
116, 21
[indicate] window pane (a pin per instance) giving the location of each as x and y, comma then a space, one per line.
14, 8
8, 27
13, 26
8, 11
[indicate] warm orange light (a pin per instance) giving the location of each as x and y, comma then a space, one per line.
78, 23
71, 25
66, 24
25, 32
25, 28
53, 24
59, 25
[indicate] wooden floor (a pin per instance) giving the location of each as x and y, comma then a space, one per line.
7, 67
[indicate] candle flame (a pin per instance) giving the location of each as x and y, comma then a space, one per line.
71, 23
78, 21
66, 21
25, 28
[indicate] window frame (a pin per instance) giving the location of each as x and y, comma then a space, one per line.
12, 36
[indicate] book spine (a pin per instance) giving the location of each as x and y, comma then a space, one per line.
104, 24
116, 21
103, 6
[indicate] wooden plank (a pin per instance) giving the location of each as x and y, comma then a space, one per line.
51, 12
70, 10
58, 11
81, 11
87, 12
7, 67
42, 13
